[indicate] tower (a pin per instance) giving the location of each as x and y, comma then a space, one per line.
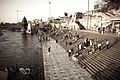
24, 24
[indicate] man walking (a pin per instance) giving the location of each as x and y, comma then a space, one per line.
49, 49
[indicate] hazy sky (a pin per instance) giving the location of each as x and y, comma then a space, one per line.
40, 8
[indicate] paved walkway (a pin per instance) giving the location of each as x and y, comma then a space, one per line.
58, 66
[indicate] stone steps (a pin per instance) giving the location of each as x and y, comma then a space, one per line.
98, 64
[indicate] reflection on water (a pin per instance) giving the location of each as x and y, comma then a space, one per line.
16, 48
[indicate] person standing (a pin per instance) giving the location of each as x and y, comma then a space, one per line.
103, 30
49, 49
85, 41
13, 70
9, 74
16, 68
56, 41
107, 44
69, 53
66, 43
93, 47
99, 46
80, 46
91, 43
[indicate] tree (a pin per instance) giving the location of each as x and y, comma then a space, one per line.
106, 5
65, 14
2, 24
79, 15
112, 4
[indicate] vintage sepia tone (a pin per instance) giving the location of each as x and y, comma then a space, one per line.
59, 39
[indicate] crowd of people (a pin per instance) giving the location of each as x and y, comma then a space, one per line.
88, 43
70, 38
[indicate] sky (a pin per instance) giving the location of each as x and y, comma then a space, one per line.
37, 9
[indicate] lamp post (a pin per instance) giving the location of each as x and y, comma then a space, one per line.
90, 21
49, 10
17, 15
49, 19
88, 16
101, 22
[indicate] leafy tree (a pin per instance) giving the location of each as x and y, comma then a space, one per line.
79, 15
2, 24
107, 5
112, 4
65, 14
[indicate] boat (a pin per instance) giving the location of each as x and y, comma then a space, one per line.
29, 29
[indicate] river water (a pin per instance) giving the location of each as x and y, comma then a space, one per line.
16, 48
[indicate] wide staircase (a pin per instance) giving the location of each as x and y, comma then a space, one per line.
102, 64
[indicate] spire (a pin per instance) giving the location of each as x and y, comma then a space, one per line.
24, 22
